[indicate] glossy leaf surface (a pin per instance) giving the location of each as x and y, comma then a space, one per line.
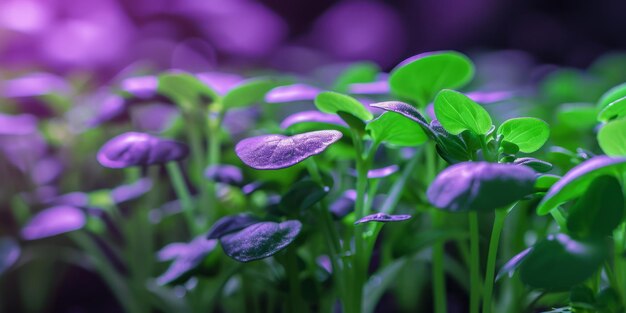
480, 186
456, 113
420, 77
278, 151
260, 240
333, 102
578, 179
528, 133
395, 129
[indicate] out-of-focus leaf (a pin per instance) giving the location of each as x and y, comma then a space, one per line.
599, 210
333, 102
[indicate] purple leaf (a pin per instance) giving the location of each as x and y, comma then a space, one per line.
260, 240
311, 116
229, 224
383, 218
220, 82
270, 152
133, 149
33, 85
187, 257
480, 186
9, 253
132, 191
382, 172
225, 174
291, 93
489, 96
77, 199
406, 110
54, 221
144, 87
373, 88
344, 205
22, 124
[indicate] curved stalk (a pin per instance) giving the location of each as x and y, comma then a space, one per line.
498, 223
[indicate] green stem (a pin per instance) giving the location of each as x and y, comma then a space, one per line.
182, 192
474, 263
498, 223
295, 296
559, 218
439, 273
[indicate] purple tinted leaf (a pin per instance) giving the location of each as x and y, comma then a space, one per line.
578, 179
344, 205
54, 221
132, 191
291, 93
382, 172
373, 88
229, 224
156, 117
9, 253
277, 151
406, 110
187, 257
133, 149
225, 174
113, 107
510, 266
536, 164
480, 186
144, 87
260, 240
76, 199
47, 170
22, 124
33, 85
383, 218
311, 116
489, 96
220, 82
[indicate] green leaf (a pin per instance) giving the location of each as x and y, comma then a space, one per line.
333, 102
302, 195
578, 179
420, 78
559, 262
361, 72
611, 96
186, 90
528, 133
615, 109
250, 92
395, 129
544, 182
612, 138
578, 115
456, 113
599, 210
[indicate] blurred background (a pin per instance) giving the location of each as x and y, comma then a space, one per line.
99, 40
67, 36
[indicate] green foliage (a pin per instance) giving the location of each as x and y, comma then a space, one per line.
599, 211
456, 113
333, 102
418, 80
612, 138
395, 129
362, 72
559, 262
250, 92
528, 133
185, 90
